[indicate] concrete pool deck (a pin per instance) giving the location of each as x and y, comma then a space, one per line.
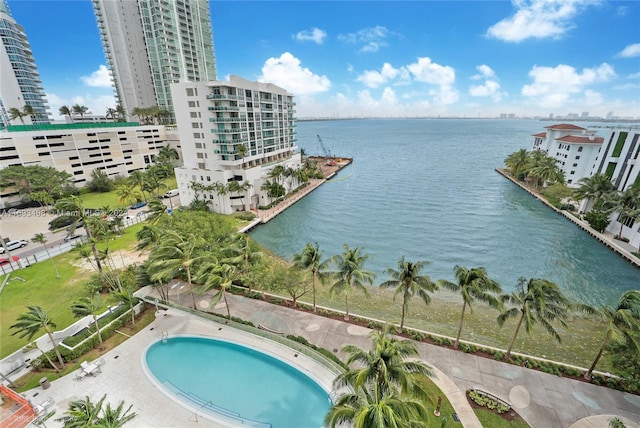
544, 400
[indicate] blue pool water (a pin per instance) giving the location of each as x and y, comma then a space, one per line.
238, 384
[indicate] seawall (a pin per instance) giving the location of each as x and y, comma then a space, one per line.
608, 241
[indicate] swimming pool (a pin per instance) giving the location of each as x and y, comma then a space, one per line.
237, 384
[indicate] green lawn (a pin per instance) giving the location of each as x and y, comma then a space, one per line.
489, 419
41, 288
98, 200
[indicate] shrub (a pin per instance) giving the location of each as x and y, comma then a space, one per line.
247, 216
417, 336
483, 400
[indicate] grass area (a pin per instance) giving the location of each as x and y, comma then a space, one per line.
41, 288
446, 409
32, 379
491, 420
98, 200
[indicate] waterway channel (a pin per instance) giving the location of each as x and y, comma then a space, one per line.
428, 190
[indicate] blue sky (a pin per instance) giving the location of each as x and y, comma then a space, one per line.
384, 58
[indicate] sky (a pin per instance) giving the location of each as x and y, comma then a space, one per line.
383, 58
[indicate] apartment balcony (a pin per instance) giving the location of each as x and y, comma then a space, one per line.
223, 108
232, 141
221, 97
225, 119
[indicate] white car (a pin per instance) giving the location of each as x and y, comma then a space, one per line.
14, 245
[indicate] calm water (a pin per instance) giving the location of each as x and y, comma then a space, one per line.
428, 190
238, 382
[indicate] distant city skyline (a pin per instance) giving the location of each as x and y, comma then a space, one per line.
353, 59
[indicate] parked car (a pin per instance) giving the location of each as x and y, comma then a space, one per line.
69, 238
5, 261
171, 193
63, 221
14, 245
138, 205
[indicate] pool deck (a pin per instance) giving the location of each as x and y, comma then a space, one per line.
544, 400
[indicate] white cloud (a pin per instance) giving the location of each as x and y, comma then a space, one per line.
489, 88
101, 78
315, 35
370, 39
287, 73
554, 86
374, 78
630, 51
429, 72
538, 19
485, 72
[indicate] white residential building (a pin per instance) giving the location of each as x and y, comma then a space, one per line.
115, 148
20, 82
214, 120
574, 148
150, 44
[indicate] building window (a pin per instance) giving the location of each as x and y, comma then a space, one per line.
195, 125
572, 172
575, 164
192, 103
580, 148
577, 157
189, 92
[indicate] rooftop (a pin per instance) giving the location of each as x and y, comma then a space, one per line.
565, 126
67, 126
581, 139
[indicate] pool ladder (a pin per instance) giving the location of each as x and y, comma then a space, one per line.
165, 336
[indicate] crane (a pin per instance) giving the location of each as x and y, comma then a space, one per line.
327, 153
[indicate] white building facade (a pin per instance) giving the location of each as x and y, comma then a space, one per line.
20, 82
115, 148
234, 130
150, 44
580, 153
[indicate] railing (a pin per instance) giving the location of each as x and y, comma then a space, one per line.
218, 411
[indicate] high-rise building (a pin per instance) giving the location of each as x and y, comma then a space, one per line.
150, 44
233, 131
20, 83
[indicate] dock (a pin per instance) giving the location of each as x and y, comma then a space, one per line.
328, 172
623, 249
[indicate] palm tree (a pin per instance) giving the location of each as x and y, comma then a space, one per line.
536, 301
350, 275
66, 111
276, 172
626, 204
30, 111
39, 238
310, 259
137, 178
175, 254
127, 193
84, 413
216, 275
30, 322
241, 149
388, 385
85, 306
157, 211
596, 187
621, 321
546, 170
80, 110
92, 227
110, 113
121, 113
473, 284
34, 345
148, 236
15, 113
125, 295
242, 253
517, 162
408, 282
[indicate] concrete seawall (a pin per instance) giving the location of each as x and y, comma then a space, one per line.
604, 238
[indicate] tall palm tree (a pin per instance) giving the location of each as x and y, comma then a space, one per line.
39, 238
350, 274
595, 188
66, 111
517, 162
127, 193
110, 113
28, 110
626, 204
473, 284
387, 385
276, 172
34, 345
173, 255
116, 417
214, 275
29, 323
148, 236
157, 211
15, 113
310, 259
546, 170
241, 150
137, 178
79, 110
242, 253
536, 301
86, 306
408, 282
73, 206
121, 113
621, 321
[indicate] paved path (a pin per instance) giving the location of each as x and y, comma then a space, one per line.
543, 400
